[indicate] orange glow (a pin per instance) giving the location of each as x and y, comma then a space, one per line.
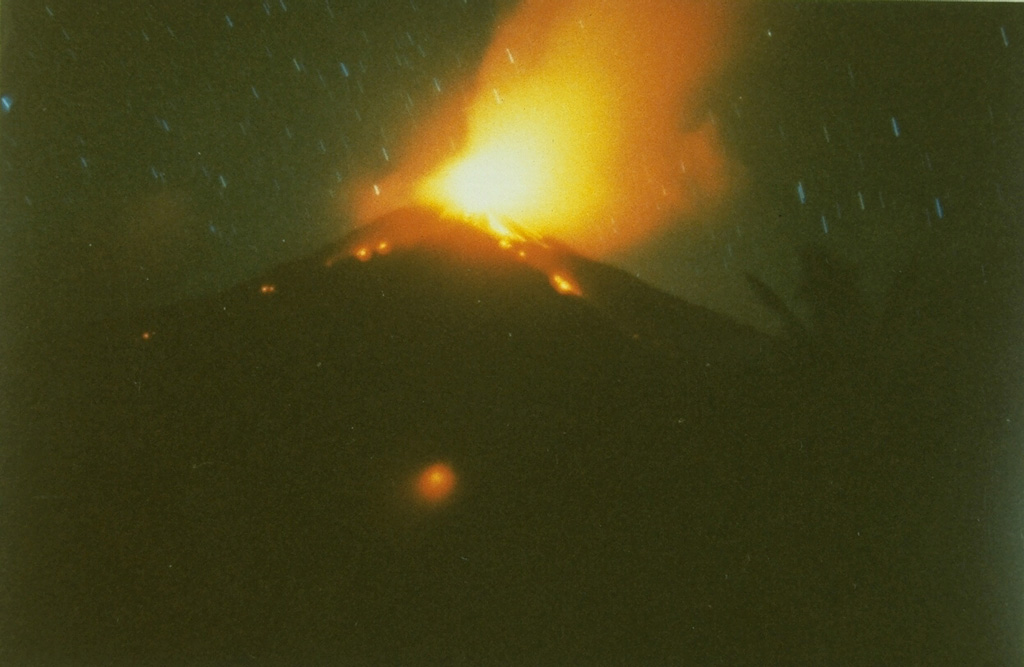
565, 285
585, 123
512, 171
147, 335
364, 253
436, 483
267, 289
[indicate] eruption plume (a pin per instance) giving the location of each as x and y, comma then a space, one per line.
586, 123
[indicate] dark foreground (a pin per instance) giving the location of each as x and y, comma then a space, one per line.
228, 481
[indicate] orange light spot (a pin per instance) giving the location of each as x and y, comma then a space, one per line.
146, 335
383, 247
363, 254
267, 289
435, 483
564, 285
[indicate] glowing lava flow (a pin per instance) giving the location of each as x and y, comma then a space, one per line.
425, 227
564, 284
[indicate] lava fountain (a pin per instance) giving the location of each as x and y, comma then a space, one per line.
586, 123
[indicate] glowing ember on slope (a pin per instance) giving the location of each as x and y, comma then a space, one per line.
584, 113
413, 228
563, 284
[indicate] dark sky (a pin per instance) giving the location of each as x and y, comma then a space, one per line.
885, 134
152, 150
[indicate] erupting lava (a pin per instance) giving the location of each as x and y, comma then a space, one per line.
505, 178
584, 125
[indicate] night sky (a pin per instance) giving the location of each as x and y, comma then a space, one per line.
160, 151
174, 149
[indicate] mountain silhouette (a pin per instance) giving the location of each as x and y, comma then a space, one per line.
230, 480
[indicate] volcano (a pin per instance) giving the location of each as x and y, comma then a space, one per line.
625, 477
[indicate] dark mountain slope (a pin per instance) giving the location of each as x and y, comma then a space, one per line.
230, 480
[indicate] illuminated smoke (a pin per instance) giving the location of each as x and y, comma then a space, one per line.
586, 123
